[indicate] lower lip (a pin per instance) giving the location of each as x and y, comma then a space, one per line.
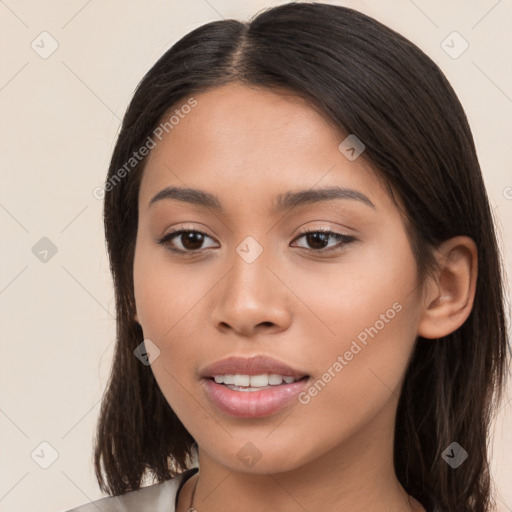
253, 404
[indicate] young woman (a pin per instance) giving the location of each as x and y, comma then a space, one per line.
310, 310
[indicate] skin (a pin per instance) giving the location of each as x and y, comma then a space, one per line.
246, 145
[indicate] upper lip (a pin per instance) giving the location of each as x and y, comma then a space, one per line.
255, 365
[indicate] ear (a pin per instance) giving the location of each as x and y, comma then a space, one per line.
136, 317
450, 292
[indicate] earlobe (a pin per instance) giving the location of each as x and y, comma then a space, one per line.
450, 293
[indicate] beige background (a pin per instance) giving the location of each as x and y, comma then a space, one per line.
59, 120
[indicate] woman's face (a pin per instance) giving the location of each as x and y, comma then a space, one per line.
341, 310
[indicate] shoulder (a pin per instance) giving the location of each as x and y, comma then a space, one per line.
160, 497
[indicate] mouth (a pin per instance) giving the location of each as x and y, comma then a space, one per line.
253, 402
252, 387
251, 383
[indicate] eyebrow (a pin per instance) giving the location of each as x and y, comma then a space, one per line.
282, 202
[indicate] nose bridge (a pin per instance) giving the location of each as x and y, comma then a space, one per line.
249, 275
251, 295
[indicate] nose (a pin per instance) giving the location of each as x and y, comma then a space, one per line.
252, 298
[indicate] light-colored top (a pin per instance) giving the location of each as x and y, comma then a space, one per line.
155, 498
161, 498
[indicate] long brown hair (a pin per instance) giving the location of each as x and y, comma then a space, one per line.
371, 81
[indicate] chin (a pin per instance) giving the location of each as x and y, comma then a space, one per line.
261, 456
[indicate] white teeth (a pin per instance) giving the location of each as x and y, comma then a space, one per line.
254, 381
258, 381
241, 380
274, 379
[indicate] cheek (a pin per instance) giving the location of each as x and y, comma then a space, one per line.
370, 313
164, 303
168, 303
359, 376
372, 289
164, 295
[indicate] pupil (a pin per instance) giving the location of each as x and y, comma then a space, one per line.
188, 240
314, 238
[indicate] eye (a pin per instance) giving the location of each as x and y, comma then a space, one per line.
319, 240
187, 240
190, 241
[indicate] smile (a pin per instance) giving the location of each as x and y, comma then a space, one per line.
253, 402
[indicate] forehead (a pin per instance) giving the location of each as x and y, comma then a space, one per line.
232, 115
251, 141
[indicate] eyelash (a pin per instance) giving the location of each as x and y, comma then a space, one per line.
344, 239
